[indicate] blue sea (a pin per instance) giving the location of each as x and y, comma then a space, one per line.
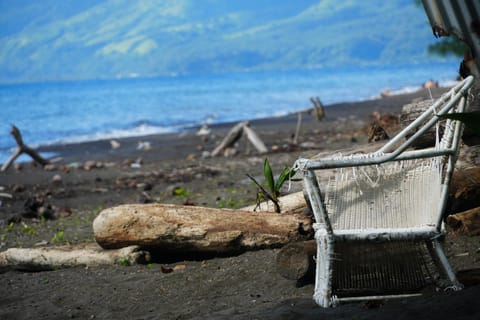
70, 112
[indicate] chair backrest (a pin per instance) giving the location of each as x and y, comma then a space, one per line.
392, 187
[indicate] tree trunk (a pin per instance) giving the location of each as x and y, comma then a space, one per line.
295, 260
50, 258
465, 223
196, 229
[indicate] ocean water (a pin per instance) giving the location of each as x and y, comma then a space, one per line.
69, 112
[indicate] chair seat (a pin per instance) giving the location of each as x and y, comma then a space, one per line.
392, 195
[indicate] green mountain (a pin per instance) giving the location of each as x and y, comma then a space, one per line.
66, 40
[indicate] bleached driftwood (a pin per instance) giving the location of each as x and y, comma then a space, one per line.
290, 203
196, 229
254, 139
50, 258
22, 148
235, 134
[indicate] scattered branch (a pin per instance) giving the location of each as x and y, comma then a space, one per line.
22, 148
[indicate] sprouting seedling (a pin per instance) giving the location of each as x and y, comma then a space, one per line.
273, 186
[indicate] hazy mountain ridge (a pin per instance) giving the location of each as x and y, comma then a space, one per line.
62, 40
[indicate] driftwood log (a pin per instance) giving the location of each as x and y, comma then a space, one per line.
465, 223
290, 203
196, 229
50, 258
22, 148
412, 111
295, 260
235, 134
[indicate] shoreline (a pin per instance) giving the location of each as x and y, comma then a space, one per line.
129, 146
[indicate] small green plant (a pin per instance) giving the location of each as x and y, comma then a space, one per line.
28, 229
272, 191
228, 203
58, 237
181, 192
124, 262
10, 226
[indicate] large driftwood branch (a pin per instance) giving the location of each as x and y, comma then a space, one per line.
235, 134
254, 139
50, 258
22, 148
196, 229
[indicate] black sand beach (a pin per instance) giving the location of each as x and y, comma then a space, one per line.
92, 176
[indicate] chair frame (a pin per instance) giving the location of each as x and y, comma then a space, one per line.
453, 101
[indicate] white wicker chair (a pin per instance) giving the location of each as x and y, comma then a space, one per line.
386, 206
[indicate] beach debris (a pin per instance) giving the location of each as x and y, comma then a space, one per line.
18, 188
376, 133
388, 121
429, 84
191, 157
465, 189
62, 212
318, 108
203, 131
240, 129
410, 112
144, 146
295, 260
50, 167
57, 179
166, 269
56, 159
465, 223
6, 195
51, 258
22, 148
92, 164
290, 203
136, 165
297, 130
196, 229
35, 208
115, 144
177, 267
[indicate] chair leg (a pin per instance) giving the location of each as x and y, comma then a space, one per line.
323, 272
436, 250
